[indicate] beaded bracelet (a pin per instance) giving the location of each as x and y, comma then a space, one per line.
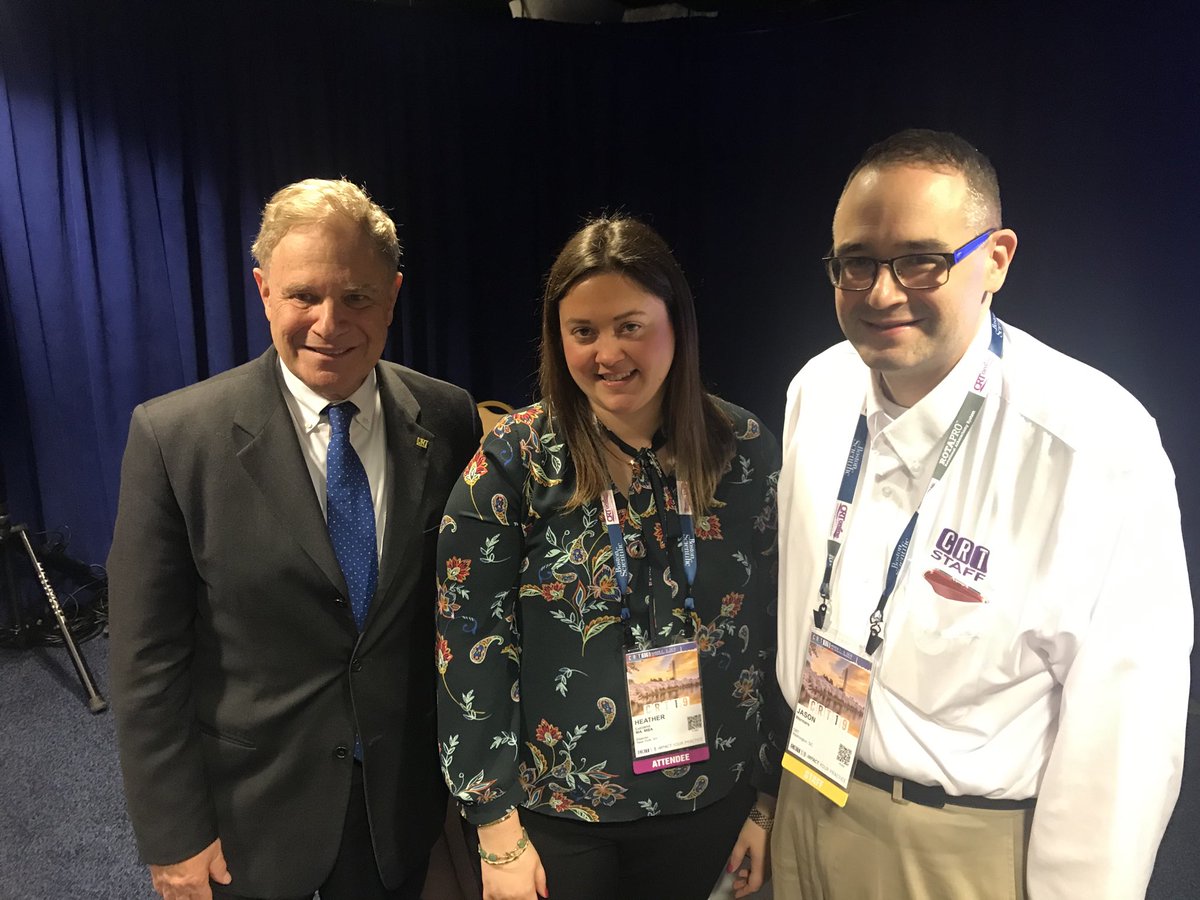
763, 820
493, 859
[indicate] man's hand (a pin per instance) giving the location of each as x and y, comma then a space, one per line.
188, 880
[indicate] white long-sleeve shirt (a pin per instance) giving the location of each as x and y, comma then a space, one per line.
1070, 680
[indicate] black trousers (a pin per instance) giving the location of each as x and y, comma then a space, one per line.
678, 857
355, 876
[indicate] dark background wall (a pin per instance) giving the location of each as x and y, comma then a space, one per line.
138, 140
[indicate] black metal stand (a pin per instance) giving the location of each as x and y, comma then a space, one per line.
10, 532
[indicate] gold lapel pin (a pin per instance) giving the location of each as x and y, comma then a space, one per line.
423, 443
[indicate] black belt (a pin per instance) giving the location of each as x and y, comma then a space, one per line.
933, 795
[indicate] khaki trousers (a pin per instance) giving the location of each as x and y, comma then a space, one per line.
877, 848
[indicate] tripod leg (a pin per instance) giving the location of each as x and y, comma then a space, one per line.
20, 629
96, 703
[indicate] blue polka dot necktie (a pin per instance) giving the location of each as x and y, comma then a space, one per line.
350, 513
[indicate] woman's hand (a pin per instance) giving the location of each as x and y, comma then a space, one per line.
753, 844
523, 878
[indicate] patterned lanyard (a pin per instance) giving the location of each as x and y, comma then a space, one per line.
955, 437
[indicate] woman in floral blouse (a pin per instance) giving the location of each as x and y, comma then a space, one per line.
609, 679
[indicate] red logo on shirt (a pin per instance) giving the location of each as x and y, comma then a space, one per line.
950, 588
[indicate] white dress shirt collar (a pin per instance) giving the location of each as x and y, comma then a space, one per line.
916, 432
310, 405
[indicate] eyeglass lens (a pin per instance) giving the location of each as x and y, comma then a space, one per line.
918, 270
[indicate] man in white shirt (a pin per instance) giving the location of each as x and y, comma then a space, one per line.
999, 545
272, 586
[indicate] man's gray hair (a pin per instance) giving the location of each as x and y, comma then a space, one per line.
316, 200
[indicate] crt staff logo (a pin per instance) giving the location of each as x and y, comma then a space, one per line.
961, 554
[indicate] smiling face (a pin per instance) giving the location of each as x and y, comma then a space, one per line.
913, 338
329, 296
619, 345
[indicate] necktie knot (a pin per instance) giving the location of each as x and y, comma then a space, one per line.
340, 416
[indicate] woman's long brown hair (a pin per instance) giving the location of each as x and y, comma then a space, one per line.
699, 433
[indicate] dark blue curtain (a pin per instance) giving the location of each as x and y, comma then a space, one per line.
138, 141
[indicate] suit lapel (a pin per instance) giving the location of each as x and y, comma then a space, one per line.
408, 449
270, 453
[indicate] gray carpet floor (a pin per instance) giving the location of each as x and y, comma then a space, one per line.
63, 828
64, 832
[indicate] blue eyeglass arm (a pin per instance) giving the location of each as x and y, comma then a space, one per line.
957, 256
970, 246
952, 259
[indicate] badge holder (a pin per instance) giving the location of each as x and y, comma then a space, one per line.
662, 684
827, 724
666, 707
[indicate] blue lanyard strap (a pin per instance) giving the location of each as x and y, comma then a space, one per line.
620, 559
955, 437
686, 544
858, 448
687, 541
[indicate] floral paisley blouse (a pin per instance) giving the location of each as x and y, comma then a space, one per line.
530, 648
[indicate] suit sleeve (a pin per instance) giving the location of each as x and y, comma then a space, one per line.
153, 585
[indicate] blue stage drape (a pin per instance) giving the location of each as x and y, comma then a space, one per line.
138, 140
116, 256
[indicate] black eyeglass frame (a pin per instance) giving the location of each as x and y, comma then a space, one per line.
952, 259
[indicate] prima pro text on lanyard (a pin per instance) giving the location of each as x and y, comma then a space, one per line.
955, 438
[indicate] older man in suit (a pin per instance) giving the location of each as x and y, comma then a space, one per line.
272, 586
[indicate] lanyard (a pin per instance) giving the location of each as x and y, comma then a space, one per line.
687, 541
686, 544
955, 437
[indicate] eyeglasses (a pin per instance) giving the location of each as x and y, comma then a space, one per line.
915, 271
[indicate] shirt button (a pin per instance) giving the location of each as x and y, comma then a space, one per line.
887, 492
340, 752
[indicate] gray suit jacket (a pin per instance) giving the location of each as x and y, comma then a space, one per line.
239, 679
